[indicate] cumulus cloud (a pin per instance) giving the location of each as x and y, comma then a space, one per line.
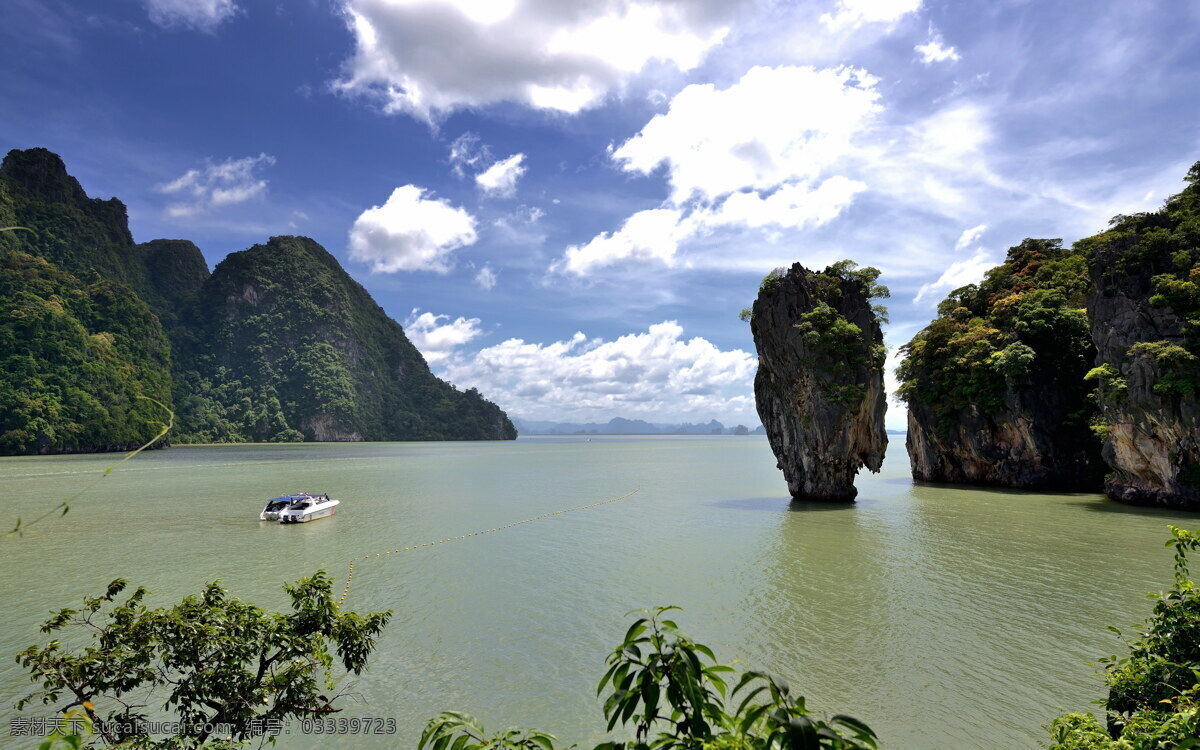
935, 50
203, 15
436, 56
436, 339
754, 155
775, 125
411, 232
653, 234
959, 273
485, 278
500, 178
656, 373
221, 184
850, 14
656, 234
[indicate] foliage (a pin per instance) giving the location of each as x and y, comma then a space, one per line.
672, 693
283, 341
76, 358
1154, 693
1180, 368
1023, 326
834, 347
219, 661
1155, 256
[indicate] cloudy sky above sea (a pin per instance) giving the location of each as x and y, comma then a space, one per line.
566, 204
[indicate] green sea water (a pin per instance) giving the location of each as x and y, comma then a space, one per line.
945, 617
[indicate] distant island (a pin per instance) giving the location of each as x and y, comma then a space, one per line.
622, 426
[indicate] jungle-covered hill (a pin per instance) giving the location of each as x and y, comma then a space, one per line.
278, 343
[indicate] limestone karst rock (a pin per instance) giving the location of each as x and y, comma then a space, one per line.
819, 387
1145, 315
995, 384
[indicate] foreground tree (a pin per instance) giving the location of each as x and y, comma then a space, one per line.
672, 692
211, 661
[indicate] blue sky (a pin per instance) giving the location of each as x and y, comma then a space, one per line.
567, 203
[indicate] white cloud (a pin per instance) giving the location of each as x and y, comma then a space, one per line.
434, 56
203, 15
850, 14
486, 278
791, 206
656, 373
750, 156
970, 236
935, 50
656, 234
468, 152
775, 125
225, 183
501, 178
437, 340
653, 234
959, 273
411, 232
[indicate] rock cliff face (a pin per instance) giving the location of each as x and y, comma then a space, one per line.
1145, 312
995, 385
819, 387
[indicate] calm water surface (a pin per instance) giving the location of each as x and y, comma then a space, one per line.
944, 617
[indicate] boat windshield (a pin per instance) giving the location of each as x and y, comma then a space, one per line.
300, 505
275, 505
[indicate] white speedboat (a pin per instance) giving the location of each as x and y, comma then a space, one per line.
298, 507
308, 508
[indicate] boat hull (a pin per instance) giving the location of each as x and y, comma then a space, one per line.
312, 515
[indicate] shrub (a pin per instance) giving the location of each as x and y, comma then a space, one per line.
672, 693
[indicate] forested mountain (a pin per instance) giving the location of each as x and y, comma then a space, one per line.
279, 343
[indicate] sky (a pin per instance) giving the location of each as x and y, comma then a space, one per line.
567, 203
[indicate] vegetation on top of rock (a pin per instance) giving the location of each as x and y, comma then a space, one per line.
1027, 316
1163, 249
1145, 308
995, 385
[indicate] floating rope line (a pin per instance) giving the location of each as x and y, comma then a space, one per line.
350, 572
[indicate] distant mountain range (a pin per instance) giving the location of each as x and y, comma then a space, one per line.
622, 426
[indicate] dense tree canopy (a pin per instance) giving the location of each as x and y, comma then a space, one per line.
1025, 323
